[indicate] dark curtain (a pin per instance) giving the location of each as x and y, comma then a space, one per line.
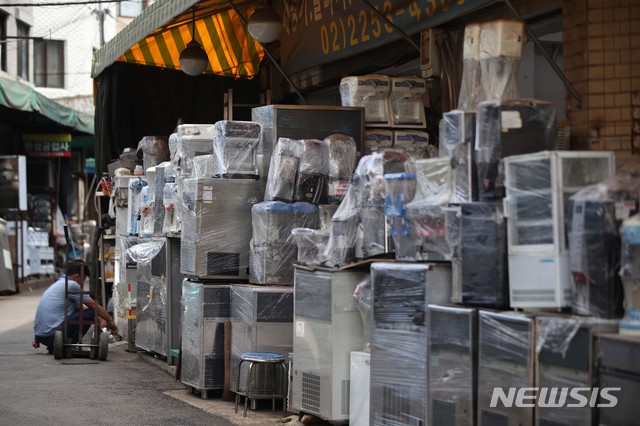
135, 101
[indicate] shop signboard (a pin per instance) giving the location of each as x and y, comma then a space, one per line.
321, 31
47, 145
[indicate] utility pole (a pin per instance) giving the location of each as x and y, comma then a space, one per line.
100, 13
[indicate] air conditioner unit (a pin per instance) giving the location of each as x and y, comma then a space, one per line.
506, 358
328, 326
359, 377
568, 357
205, 309
401, 293
429, 54
261, 321
453, 365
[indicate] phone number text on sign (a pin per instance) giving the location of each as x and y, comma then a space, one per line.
321, 31
355, 25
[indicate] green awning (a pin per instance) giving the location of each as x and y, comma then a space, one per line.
20, 96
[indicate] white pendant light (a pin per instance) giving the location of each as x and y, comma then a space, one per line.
265, 25
193, 59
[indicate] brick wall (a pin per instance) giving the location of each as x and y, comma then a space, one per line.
602, 61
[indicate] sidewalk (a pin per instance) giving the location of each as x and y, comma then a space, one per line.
24, 368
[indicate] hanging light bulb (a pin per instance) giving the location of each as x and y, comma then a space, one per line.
265, 25
193, 59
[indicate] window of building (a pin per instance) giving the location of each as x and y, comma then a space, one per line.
49, 63
3, 41
130, 9
23, 50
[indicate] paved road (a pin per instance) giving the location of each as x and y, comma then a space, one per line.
124, 390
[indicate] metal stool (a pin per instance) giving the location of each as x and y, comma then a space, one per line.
261, 358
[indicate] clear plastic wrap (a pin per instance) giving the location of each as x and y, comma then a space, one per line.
595, 215
376, 140
216, 227
405, 102
506, 359
364, 302
311, 245
477, 237
364, 204
507, 128
368, 91
566, 359
400, 189
205, 308
313, 170
458, 144
283, 172
273, 249
427, 210
415, 142
164, 171
262, 321
203, 166
125, 289
154, 149
173, 146
136, 185
630, 274
193, 140
151, 300
170, 201
399, 344
234, 146
342, 162
325, 214
453, 372
501, 44
145, 228
471, 90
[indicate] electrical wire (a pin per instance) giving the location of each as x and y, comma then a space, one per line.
67, 3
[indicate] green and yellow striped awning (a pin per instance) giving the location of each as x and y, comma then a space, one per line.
162, 31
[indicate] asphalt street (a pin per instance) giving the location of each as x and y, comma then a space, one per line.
123, 390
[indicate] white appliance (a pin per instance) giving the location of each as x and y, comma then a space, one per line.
205, 309
453, 365
136, 184
415, 142
359, 377
193, 140
538, 187
370, 92
399, 350
328, 326
120, 197
506, 359
405, 102
216, 227
567, 356
261, 321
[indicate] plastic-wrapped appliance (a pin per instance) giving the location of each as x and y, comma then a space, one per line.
415, 142
193, 140
506, 128
376, 140
471, 90
170, 202
371, 92
216, 228
400, 189
501, 44
342, 162
453, 365
399, 376
311, 245
313, 172
234, 146
136, 184
205, 309
154, 150
283, 173
594, 223
458, 144
630, 274
405, 102
272, 248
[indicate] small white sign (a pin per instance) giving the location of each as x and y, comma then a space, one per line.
7, 260
300, 328
207, 194
511, 120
